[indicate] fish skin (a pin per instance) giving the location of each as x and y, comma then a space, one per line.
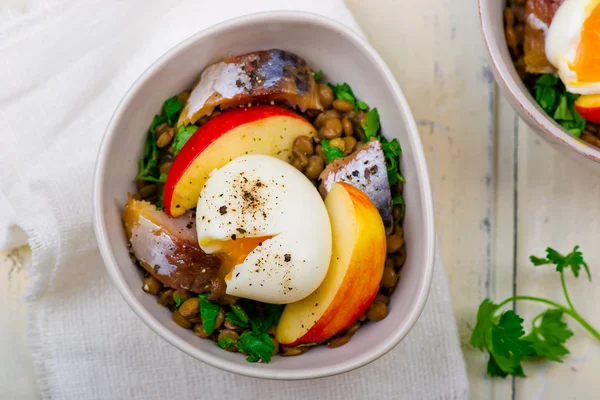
167, 247
267, 75
364, 169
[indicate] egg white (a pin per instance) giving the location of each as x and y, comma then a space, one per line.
562, 41
257, 196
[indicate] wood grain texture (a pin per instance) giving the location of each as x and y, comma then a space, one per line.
558, 208
437, 54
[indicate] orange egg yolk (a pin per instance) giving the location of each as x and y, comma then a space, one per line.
587, 61
234, 252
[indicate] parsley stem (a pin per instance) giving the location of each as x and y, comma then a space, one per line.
564, 286
532, 298
568, 311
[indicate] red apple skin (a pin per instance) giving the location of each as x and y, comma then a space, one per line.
212, 132
352, 282
588, 105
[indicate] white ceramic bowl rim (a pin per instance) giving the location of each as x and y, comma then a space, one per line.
521, 95
117, 277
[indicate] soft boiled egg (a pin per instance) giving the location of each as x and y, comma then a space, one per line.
269, 225
573, 45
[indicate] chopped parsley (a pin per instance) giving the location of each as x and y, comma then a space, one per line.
343, 92
237, 316
399, 200
184, 133
391, 149
331, 152
258, 346
159, 199
177, 300
318, 75
371, 125
208, 312
502, 336
362, 105
552, 96
255, 342
148, 164
171, 109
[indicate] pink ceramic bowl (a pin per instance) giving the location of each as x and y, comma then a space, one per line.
346, 57
491, 15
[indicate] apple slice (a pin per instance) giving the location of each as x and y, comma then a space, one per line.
588, 105
266, 130
352, 281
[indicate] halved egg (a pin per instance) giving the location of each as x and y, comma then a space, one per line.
573, 45
269, 225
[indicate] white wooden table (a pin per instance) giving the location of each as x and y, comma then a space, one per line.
500, 194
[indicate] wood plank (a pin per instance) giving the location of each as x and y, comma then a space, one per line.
435, 49
558, 207
504, 222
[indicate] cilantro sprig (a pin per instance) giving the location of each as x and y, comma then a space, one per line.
501, 333
552, 96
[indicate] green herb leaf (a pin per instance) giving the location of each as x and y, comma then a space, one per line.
270, 316
562, 110
331, 153
182, 136
237, 316
398, 199
362, 105
546, 98
161, 179
208, 312
371, 125
149, 163
391, 149
159, 199
506, 340
493, 369
177, 300
481, 331
239, 312
344, 92
317, 76
235, 320
548, 338
547, 80
259, 347
552, 96
226, 343
158, 119
573, 260
502, 338
171, 108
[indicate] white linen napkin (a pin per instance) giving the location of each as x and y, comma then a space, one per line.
64, 66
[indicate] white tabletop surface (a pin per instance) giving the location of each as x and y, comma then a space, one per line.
500, 195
